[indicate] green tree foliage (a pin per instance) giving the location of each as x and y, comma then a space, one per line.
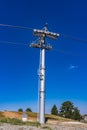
54, 110
68, 110
76, 114
28, 110
20, 110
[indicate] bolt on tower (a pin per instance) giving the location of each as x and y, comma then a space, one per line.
42, 34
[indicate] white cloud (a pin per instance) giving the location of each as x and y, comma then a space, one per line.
73, 67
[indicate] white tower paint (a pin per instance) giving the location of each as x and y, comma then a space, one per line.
42, 45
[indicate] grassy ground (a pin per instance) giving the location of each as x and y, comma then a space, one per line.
15, 118
31, 116
49, 116
14, 121
1, 115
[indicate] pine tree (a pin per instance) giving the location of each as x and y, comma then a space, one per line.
54, 110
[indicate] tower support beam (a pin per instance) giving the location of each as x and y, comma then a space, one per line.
42, 88
42, 34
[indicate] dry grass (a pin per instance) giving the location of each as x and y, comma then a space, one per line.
54, 117
18, 115
8, 114
1, 115
32, 116
52, 120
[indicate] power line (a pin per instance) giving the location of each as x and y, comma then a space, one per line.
12, 26
73, 38
16, 43
61, 35
69, 53
56, 50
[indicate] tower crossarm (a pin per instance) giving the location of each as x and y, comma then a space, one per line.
48, 34
47, 47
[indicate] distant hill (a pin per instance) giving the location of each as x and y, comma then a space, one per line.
31, 116
15, 118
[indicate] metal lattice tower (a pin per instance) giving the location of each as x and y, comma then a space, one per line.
42, 34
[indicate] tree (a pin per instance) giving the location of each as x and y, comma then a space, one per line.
76, 114
66, 109
54, 110
20, 110
28, 110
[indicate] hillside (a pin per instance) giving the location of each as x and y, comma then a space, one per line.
31, 116
52, 121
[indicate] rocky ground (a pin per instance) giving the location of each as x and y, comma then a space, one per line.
17, 127
44, 127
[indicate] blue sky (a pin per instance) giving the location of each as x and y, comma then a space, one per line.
66, 70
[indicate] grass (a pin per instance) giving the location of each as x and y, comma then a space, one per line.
48, 116
12, 121
46, 127
54, 117
15, 121
17, 116
31, 114
1, 115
